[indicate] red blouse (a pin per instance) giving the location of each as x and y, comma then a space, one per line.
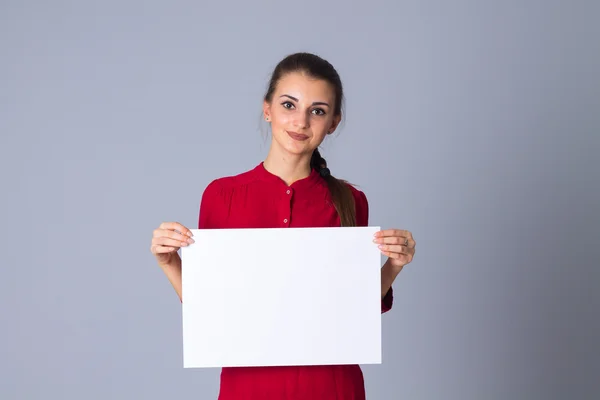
259, 199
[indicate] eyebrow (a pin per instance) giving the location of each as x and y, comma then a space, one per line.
316, 103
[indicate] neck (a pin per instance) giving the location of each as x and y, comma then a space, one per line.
289, 167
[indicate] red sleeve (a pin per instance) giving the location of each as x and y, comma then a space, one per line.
362, 219
208, 210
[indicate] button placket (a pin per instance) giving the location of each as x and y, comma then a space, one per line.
286, 220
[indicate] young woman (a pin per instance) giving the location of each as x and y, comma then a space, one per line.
292, 187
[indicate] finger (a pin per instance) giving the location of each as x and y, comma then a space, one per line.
177, 227
172, 235
395, 240
394, 248
397, 256
163, 249
393, 232
165, 241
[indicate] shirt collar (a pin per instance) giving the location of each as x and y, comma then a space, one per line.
261, 172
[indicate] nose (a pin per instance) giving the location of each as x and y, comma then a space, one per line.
301, 120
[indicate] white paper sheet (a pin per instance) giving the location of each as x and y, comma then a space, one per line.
281, 296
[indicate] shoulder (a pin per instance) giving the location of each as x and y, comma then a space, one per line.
217, 198
224, 184
359, 195
361, 204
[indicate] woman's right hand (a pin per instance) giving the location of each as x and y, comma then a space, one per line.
167, 239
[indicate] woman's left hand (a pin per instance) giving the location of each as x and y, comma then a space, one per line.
397, 244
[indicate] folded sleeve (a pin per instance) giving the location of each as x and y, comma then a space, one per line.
362, 219
387, 301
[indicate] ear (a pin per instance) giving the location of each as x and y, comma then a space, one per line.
267, 111
336, 121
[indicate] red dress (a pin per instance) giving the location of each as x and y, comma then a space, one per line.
259, 199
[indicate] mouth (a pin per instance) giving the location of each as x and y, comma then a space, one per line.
297, 136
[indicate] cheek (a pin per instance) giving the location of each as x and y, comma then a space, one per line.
281, 119
320, 126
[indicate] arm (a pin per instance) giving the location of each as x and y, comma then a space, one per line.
173, 273
388, 275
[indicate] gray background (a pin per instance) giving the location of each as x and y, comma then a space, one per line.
473, 124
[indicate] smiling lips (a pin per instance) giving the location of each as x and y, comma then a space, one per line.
297, 136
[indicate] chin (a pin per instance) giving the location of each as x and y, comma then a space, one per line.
298, 150
293, 147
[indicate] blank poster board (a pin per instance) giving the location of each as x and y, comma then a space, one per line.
281, 296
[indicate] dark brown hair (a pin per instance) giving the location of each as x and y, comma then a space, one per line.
318, 68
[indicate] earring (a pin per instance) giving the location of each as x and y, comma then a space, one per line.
267, 118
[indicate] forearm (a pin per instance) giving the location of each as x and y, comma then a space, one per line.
388, 275
173, 273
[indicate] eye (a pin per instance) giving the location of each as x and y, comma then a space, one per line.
319, 111
287, 104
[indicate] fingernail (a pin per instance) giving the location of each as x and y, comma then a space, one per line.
190, 241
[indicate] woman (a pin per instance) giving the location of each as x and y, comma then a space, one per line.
292, 188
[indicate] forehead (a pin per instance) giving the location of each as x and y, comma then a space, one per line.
304, 87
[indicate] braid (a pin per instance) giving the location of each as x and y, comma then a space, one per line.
318, 162
341, 194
